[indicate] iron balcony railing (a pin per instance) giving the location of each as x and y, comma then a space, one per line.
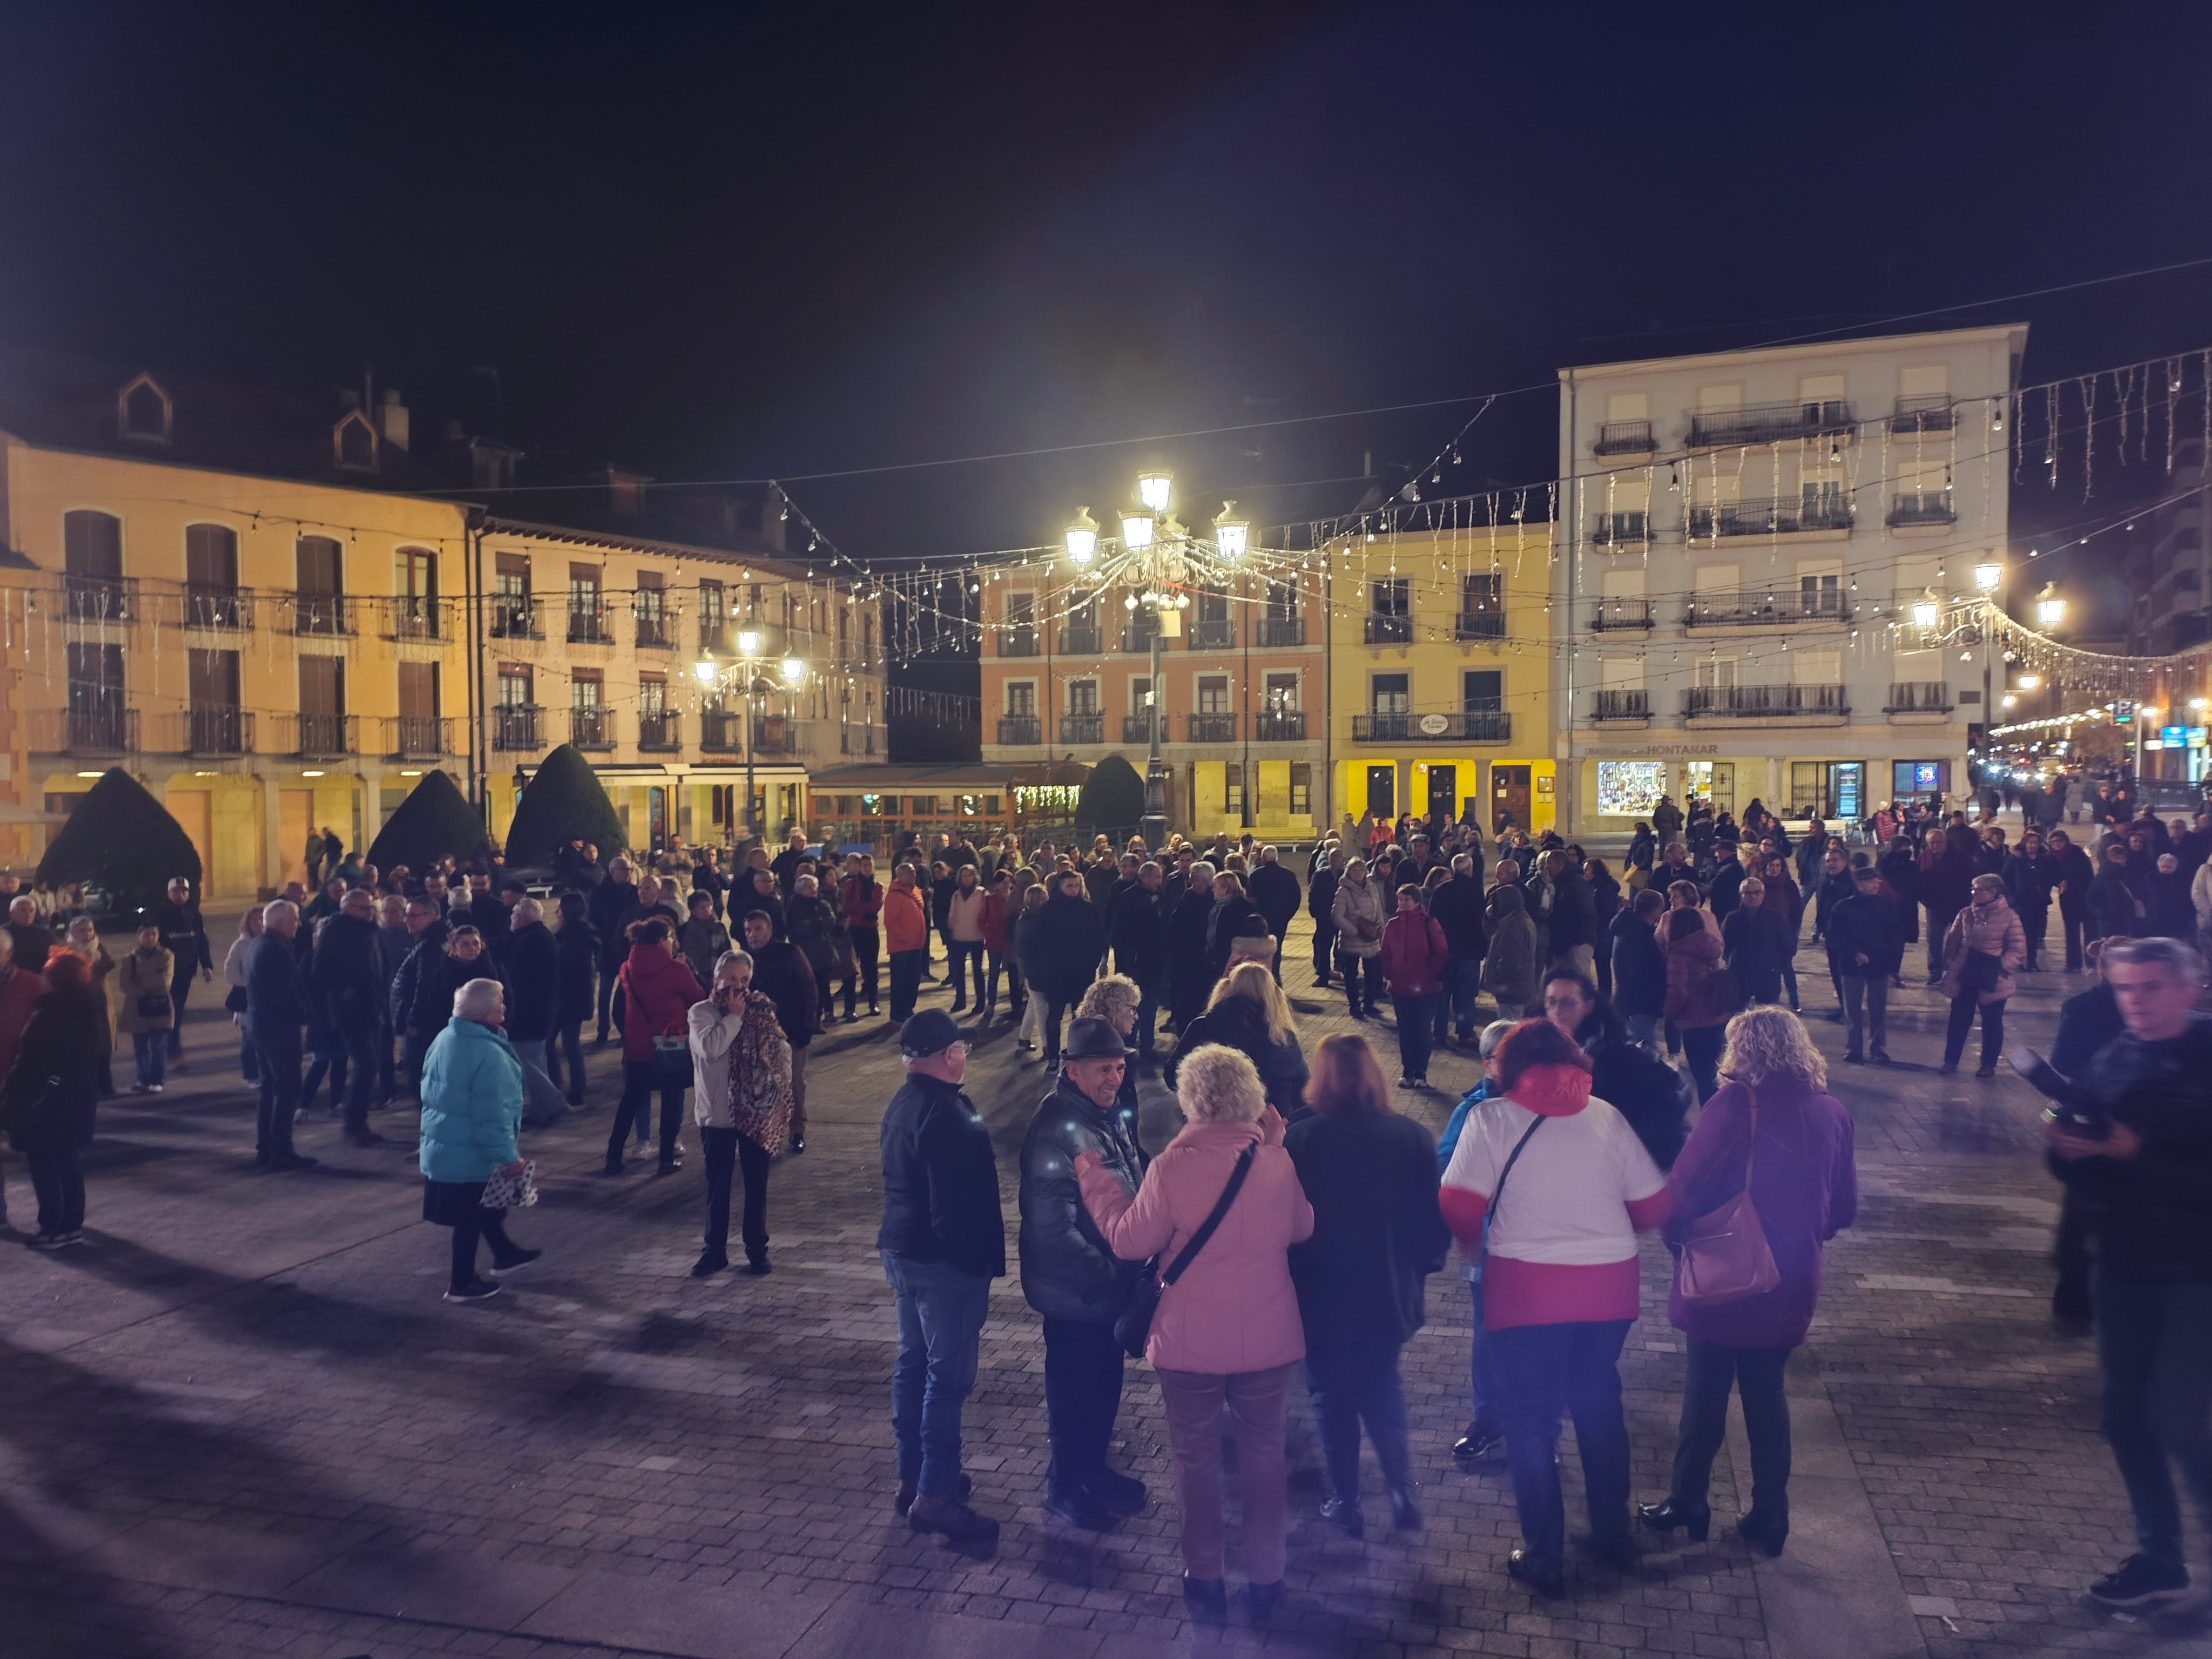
1766, 423
413, 617
322, 737
1018, 641
1210, 728
1786, 515
1621, 529
98, 599
661, 730
1388, 630
1621, 706
1767, 702
720, 731
213, 605
1620, 613
1480, 625
99, 724
1475, 726
515, 728
1212, 634
1931, 411
515, 619
416, 737
1082, 728
862, 740
1926, 506
1286, 726
322, 613
1138, 728
587, 627
1625, 438
218, 729
1763, 607
592, 727
1083, 642
1919, 697
1136, 638
1025, 731
778, 734
1282, 630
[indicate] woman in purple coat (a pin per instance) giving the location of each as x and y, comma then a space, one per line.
1805, 1186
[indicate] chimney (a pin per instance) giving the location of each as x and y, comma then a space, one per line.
626, 491
391, 418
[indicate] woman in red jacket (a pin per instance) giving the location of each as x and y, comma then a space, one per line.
1413, 957
996, 905
862, 896
658, 991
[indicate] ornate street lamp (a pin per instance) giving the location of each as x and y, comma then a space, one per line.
714, 678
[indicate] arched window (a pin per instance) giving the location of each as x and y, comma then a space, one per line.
92, 545
142, 411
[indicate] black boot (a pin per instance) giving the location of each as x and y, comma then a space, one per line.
1696, 1519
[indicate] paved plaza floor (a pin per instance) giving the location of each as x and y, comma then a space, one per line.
241, 1420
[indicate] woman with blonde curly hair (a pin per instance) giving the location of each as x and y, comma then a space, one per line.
1773, 1125
1227, 1330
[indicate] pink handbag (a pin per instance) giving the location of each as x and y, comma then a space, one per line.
1725, 1256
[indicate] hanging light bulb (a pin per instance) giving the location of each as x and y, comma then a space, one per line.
1996, 415
1082, 537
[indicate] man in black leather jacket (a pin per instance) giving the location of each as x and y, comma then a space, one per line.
349, 983
1073, 1279
277, 996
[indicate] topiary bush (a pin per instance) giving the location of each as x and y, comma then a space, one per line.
436, 821
1112, 797
561, 803
123, 845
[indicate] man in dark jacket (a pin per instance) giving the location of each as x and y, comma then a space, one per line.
782, 973
2111, 907
533, 971
1069, 939
2071, 875
276, 1009
348, 980
1728, 878
1457, 906
393, 942
943, 1241
1073, 1279
609, 899
2149, 1178
1639, 967
2086, 1022
576, 956
1274, 891
418, 994
1139, 937
1865, 946
185, 936
1652, 1095
1320, 905
784, 866
1947, 884
1574, 914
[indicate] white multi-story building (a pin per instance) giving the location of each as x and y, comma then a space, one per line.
1743, 539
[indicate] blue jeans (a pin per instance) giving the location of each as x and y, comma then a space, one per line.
1701, 1047
1456, 1007
57, 1179
640, 1079
567, 1045
249, 1063
1415, 1039
906, 980
959, 955
151, 1050
2155, 1347
1481, 1378
940, 1319
1539, 1369
1353, 1385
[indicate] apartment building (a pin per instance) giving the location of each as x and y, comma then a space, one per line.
1066, 674
1745, 539
1439, 645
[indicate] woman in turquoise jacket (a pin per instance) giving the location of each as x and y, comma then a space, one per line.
471, 1109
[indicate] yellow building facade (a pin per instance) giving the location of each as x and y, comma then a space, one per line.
1439, 673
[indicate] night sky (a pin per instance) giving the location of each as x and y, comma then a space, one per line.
724, 243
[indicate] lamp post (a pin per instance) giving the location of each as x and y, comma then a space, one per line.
715, 678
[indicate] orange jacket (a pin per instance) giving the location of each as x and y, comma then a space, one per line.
906, 919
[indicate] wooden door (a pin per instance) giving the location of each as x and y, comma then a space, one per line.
194, 812
296, 814
1443, 793
1508, 798
1382, 791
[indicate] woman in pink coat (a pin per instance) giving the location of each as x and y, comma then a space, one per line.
1229, 1327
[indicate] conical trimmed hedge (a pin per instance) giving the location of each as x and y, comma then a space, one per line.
434, 822
122, 844
1112, 797
563, 802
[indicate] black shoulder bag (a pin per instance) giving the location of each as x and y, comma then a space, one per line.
1489, 1210
1136, 1324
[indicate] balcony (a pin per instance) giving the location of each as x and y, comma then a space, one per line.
321, 736
1083, 642
1931, 411
1021, 730
1788, 515
1928, 507
1480, 625
1476, 725
1136, 638
515, 728
1082, 728
101, 727
656, 633
1620, 613
865, 741
1766, 607
1764, 702
1919, 697
1210, 728
414, 616
1767, 424
1284, 726
1620, 706
659, 731
721, 731
98, 599
515, 619
1212, 634
1389, 630
1624, 438
779, 735
1621, 529
416, 737
1282, 630
217, 729
592, 727
1138, 728
1019, 641
210, 604
325, 613
588, 628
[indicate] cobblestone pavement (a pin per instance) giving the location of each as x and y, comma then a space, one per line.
241, 1420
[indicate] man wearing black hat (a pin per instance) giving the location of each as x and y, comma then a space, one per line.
943, 1241
1866, 944
1071, 1278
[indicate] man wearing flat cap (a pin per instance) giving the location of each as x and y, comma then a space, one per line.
943, 1241
1071, 1277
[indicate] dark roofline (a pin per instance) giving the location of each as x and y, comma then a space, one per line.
488, 523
